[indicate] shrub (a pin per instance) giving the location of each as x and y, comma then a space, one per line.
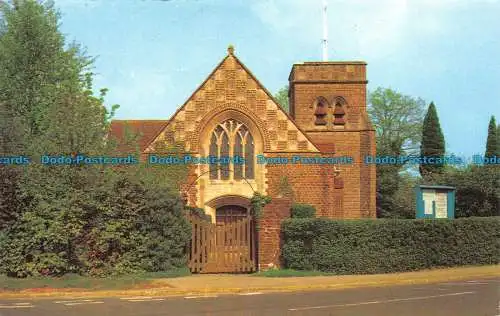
392, 245
121, 229
302, 211
138, 230
199, 212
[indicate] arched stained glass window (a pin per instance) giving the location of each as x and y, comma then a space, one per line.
224, 155
249, 157
238, 152
213, 153
232, 142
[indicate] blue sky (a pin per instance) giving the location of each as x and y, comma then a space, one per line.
153, 54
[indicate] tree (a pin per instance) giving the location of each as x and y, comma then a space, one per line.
85, 218
33, 60
282, 97
492, 145
10, 140
433, 144
397, 119
498, 135
477, 189
47, 88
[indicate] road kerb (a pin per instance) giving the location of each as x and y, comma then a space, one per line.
308, 286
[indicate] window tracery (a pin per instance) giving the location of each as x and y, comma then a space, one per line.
232, 143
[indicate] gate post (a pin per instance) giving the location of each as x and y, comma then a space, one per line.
269, 234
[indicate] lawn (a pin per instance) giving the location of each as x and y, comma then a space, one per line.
280, 273
74, 281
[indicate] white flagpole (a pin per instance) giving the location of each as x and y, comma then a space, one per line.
325, 33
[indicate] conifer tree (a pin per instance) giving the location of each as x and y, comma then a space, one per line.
492, 145
433, 144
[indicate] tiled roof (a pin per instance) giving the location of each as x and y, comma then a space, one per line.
146, 129
325, 147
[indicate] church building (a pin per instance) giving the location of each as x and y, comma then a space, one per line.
313, 154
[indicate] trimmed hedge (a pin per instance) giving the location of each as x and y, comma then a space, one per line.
125, 228
392, 245
302, 211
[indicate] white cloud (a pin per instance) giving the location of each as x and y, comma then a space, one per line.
371, 29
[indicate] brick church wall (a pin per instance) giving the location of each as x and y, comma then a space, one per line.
356, 138
311, 183
270, 241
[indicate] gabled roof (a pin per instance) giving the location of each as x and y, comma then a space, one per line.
146, 129
259, 85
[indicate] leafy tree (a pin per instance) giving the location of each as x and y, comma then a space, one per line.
49, 88
169, 177
492, 145
282, 97
397, 119
45, 93
33, 60
433, 144
477, 189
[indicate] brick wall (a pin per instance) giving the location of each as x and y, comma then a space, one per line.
356, 138
270, 241
311, 183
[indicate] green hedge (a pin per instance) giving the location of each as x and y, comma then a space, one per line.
302, 211
124, 229
385, 246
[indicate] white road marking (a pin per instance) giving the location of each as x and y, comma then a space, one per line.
464, 283
16, 306
251, 293
78, 302
22, 303
204, 296
82, 303
380, 302
73, 301
135, 298
147, 300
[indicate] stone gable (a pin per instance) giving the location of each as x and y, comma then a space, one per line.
232, 86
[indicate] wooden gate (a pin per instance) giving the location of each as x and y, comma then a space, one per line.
227, 246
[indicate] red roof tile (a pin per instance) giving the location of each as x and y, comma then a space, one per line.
146, 129
325, 148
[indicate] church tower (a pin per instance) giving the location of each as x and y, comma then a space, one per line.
328, 102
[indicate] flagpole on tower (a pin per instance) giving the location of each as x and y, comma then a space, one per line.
325, 33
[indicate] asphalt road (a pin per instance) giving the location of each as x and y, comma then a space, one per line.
464, 298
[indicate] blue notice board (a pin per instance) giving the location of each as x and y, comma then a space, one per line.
435, 201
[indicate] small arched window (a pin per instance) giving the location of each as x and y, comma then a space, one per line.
339, 112
321, 111
232, 143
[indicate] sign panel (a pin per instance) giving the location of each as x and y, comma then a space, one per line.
441, 205
428, 196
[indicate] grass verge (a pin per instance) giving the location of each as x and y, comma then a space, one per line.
283, 273
74, 281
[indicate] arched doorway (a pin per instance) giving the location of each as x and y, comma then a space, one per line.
230, 214
227, 244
